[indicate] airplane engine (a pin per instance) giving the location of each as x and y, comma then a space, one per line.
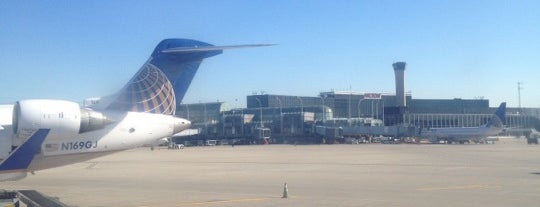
64, 118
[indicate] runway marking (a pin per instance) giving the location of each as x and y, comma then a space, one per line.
463, 187
227, 201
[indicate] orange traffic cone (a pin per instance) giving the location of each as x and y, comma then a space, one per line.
285, 191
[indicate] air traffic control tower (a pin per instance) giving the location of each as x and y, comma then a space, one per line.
393, 115
399, 71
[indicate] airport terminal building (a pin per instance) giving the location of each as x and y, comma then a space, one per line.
300, 118
287, 117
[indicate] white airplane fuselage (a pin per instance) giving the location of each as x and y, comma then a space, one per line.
132, 129
135, 129
462, 133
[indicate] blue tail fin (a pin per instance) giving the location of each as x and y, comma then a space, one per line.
21, 158
163, 80
499, 117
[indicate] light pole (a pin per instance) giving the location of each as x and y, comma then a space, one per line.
205, 120
242, 119
383, 112
359, 108
323, 111
301, 113
260, 108
372, 114
349, 106
233, 128
260, 119
280, 116
377, 108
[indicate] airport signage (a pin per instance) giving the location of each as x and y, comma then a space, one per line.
372, 96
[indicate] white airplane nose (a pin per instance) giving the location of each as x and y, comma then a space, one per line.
181, 125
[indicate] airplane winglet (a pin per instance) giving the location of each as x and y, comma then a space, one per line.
21, 158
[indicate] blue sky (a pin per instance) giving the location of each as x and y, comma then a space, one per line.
454, 49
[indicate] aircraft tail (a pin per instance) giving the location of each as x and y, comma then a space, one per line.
163, 80
499, 117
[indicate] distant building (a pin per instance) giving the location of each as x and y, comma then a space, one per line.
291, 117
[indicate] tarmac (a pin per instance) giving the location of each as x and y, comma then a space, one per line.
501, 174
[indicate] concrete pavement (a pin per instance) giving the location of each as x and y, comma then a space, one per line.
503, 174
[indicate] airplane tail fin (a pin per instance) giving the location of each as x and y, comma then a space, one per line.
499, 117
163, 80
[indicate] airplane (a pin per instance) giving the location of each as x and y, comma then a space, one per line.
494, 126
39, 134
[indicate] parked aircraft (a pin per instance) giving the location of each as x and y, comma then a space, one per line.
494, 126
40, 134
